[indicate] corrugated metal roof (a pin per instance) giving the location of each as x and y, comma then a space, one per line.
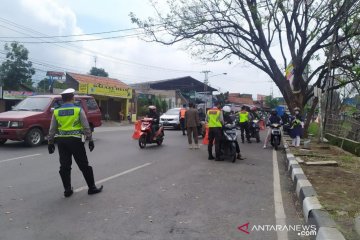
83, 78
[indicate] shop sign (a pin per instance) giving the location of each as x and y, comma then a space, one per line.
16, 95
104, 90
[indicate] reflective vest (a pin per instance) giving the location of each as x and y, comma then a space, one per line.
68, 119
243, 116
214, 118
182, 112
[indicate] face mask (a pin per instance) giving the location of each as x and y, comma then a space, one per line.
297, 112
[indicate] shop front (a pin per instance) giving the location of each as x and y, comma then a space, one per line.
112, 95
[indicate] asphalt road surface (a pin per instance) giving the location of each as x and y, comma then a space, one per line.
160, 193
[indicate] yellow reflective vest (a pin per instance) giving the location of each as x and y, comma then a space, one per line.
68, 119
214, 118
243, 116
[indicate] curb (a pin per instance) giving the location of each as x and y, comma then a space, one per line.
313, 211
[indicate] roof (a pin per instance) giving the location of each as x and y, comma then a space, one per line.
83, 78
185, 84
54, 74
240, 100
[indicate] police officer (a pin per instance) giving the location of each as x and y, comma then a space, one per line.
182, 118
70, 124
215, 121
244, 124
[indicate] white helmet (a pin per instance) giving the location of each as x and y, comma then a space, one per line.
152, 107
226, 109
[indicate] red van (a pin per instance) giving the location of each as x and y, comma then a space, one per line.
29, 120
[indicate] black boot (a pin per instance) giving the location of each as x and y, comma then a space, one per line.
66, 180
89, 178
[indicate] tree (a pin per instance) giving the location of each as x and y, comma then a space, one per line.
268, 34
271, 102
44, 85
16, 69
98, 72
223, 98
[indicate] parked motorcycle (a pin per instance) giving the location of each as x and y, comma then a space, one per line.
254, 130
227, 145
202, 129
275, 135
147, 136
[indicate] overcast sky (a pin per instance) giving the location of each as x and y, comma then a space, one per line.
128, 59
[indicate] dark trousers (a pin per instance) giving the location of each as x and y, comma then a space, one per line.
182, 125
73, 147
214, 134
192, 132
244, 127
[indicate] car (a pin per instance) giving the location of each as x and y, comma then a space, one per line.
29, 120
171, 118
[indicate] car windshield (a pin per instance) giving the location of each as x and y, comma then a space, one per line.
173, 112
32, 104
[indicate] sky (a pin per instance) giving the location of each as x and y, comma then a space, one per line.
129, 59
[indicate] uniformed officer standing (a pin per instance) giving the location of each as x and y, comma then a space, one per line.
244, 124
215, 121
70, 124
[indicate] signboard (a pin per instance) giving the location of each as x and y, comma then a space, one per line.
16, 95
104, 90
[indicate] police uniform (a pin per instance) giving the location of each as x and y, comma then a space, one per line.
244, 125
68, 125
215, 119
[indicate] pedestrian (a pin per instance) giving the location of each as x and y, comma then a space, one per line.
296, 128
71, 126
129, 117
244, 124
182, 118
215, 121
192, 123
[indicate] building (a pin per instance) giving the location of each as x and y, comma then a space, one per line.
178, 91
111, 94
240, 99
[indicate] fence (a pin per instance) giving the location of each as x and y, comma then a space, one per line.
343, 127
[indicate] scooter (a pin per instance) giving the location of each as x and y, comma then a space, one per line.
254, 130
227, 145
147, 136
275, 135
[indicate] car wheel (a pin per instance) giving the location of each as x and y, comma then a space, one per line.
34, 137
2, 141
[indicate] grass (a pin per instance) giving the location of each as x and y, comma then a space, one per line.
313, 129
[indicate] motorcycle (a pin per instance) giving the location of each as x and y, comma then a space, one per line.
275, 135
227, 145
254, 130
202, 129
147, 136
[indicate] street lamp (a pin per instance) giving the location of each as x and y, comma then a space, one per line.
206, 82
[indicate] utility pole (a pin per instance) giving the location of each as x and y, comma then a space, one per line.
206, 82
95, 59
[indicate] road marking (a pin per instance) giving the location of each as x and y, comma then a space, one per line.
114, 176
279, 206
12, 159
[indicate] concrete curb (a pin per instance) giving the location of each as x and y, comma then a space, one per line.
313, 211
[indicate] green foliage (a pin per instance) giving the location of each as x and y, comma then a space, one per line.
98, 72
347, 145
16, 69
271, 102
223, 98
44, 86
313, 129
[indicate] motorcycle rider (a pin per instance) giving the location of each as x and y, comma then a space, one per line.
230, 119
155, 116
244, 124
274, 118
215, 121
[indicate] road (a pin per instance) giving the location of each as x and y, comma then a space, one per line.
162, 193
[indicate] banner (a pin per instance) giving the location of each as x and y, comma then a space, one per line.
104, 90
16, 95
289, 74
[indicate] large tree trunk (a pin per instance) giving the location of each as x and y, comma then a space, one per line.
310, 115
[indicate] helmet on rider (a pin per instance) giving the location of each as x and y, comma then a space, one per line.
226, 109
273, 112
297, 110
152, 108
